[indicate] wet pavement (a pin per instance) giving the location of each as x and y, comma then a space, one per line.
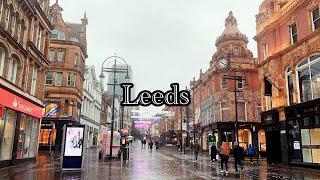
164, 164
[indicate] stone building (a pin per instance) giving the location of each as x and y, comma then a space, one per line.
64, 79
289, 68
214, 95
91, 105
24, 58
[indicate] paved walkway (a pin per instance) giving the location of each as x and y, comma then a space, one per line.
143, 164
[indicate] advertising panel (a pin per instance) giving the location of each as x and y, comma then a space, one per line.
74, 141
51, 110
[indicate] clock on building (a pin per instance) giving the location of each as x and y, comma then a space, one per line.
223, 63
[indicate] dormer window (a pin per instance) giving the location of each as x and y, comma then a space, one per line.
236, 51
61, 36
227, 50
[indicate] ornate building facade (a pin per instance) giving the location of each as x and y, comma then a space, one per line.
24, 58
65, 77
214, 95
289, 65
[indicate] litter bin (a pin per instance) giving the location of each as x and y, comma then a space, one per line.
125, 152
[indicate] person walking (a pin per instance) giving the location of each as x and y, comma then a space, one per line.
225, 151
251, 151
238, 155
196, 148
213, 152
151, 144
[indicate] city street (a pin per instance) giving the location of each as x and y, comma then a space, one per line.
166, 164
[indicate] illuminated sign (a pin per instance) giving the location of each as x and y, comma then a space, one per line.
74, 141
51, 111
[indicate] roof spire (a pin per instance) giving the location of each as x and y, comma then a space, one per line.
231, 20
85, 14
57, 1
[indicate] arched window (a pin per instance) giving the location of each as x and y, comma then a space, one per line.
2, 55
13, 68
8, 18
289, 86
308, 75
236, 51
54, 34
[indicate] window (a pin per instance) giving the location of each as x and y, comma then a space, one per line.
259, 110
224, 111
2, 55
13, 70
315, 19
61, 36
52, 53
308, 74
1, 9
7, 127
293, 33
14, 21
242, 110
49, 78
213, 86
265, 51
8, 18
69, 79
75, 60
34, 80
268, 102
236, 51
19, 32
39, 38
289, 86
240, 84
32, 33
60, 55
54, 34
223, 83
58, 79
74, 80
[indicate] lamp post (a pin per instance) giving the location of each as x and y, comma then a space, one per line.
113, 70
236, 79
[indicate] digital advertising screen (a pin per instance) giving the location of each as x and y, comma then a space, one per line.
74, 141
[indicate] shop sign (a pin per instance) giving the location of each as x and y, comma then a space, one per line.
17, 103
1, 111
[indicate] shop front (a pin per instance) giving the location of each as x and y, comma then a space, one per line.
19, 128
206, 131
303, 128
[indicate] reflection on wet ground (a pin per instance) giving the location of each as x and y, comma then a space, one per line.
146, 164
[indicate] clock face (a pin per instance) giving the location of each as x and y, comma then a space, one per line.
223, 63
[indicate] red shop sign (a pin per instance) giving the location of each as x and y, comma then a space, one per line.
17, 103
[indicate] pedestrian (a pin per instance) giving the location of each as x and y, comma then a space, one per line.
238, 155
213, 152
224, 153
151, 144
144, 143
251, 151
196, 149
141, 143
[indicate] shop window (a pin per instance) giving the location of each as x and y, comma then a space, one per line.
262, 141
2, 56
294, 141
315, 19
34, 136
289, 86
7, 126
245, 139
308, 74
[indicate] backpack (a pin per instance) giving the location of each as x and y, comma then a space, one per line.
251, 151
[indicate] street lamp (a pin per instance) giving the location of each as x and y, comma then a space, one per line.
113, 70
236, 79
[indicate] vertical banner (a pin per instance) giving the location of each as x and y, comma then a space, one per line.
74, 141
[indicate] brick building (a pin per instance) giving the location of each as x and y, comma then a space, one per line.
289, 65
64, 79
24, 58
214, 97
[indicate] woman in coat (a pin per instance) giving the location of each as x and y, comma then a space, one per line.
213, 153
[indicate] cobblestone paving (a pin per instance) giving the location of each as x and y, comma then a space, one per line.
143, 164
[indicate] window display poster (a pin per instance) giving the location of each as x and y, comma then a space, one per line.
74, 141
296, 145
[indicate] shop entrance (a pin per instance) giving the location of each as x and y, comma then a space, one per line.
273, 146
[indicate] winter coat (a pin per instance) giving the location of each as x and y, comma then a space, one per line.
225, 151
213, 150
196, 147
251, 150
238, 152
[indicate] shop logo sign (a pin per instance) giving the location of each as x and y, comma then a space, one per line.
16, 103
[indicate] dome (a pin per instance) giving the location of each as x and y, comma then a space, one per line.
231, 31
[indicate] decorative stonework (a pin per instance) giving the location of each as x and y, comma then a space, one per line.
313, 4
292, 20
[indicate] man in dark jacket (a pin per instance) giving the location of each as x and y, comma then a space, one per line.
196, 150
238, 155
213, 153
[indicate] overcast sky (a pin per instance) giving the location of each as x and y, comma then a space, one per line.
165, 41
